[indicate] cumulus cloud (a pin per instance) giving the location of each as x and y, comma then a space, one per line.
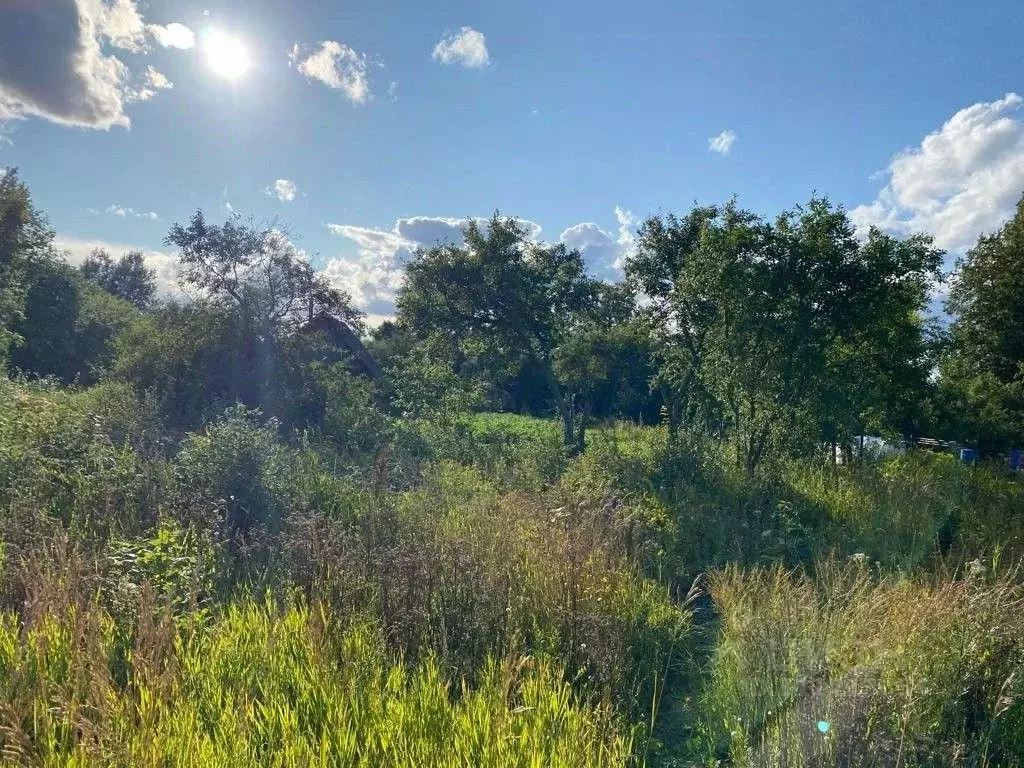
468, 48
52, 64
152, 81
174, 35
603, 253
125, 212
963, 180
56, 64
337, 66
375, 276
157, 80
283, 189
165, 265
118, 21
722, 143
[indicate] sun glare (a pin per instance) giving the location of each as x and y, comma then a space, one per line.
225, 55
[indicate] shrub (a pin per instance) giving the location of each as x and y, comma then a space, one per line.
236, 481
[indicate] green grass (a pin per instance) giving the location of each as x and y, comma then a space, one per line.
269, 686
899, 671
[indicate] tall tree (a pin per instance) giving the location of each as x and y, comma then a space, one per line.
760, 320
69, 325
25, 237
128, 278
507, 299
253, 292
983, 370
606, 363
987, 299
259, 273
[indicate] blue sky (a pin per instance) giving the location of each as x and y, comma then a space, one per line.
371, 127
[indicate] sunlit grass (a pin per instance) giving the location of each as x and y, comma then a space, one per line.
268, 687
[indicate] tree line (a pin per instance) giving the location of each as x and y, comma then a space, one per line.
781, 335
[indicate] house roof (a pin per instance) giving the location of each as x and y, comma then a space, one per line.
343, 337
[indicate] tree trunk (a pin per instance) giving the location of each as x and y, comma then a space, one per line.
581, 431
568, 433
565, 408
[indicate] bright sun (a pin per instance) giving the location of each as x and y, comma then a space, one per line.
225, 55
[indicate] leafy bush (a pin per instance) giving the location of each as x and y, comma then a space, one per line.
517, 451
236, 481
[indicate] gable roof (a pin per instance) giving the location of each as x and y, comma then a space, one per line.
343, 337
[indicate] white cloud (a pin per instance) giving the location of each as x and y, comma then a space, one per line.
283, 189
165, 265
722, 143
152, 81
174, 35
337, 66
55, 61
124, 212
963, 180
119, 21
156, 79
603, 253
52, 64
468, 48
375, 276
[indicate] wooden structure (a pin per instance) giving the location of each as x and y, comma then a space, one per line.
340, 336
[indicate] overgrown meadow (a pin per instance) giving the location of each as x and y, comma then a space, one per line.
536, 520
475, 597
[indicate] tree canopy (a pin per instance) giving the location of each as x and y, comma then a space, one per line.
259, 272
506, 298
779, 327
983, 368
127, 278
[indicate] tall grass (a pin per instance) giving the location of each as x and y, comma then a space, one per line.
855, 668
269, 686
480, 599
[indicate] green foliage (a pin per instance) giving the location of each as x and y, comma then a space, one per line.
768, 320
504, 298
258, 273
517, 451
350, 421
234, 481
128, 278
449, 587
67, 455
426, 386
983, 370
69, 326
25, 238
607, 363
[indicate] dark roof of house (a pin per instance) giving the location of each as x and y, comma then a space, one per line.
343, 337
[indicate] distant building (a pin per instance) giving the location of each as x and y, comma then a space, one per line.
340, 336
939, 446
